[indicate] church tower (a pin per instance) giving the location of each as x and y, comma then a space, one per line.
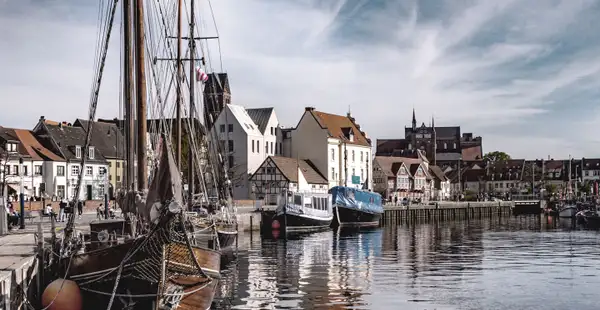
217, 94
434, 141
414, 121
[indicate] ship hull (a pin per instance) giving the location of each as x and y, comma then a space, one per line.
349, 217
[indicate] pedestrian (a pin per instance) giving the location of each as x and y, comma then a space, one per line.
396, 200
61, 211
80, 208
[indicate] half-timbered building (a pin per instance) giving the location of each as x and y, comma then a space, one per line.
277, 174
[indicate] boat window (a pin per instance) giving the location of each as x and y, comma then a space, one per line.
298, 200
324, 203
315, 203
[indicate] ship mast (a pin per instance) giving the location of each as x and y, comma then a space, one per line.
178, 85
140, 80
192, 106
127, 91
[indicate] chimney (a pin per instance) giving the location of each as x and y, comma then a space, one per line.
309, 109
42, 118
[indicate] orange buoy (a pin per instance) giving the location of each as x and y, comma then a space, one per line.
67, 298
275, 224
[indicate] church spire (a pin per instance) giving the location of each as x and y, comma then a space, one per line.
414, 120
432, 123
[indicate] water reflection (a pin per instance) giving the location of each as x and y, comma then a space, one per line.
535, 262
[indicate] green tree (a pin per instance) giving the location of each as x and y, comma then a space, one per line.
496, 156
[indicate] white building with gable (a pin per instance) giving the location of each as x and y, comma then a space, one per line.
248, 137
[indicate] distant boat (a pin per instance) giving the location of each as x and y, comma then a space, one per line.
355, 207
303, 212
567, 211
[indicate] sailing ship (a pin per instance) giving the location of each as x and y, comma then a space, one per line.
356, 207
150, 259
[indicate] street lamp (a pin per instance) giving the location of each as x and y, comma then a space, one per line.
22, 194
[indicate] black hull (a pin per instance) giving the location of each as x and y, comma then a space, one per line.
300, 223
354, 218
592, 222
226, 238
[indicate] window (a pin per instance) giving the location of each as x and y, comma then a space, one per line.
101, 171
280, 149
229, 127
445, 145
332, 174
11, 147
455, 145
353, 172
230, 145
231, 162
74, 170
118, 178
91, 152
222, 128
37, 170
272, 148
409, 146
25, 172
361, 156
15, 170
118, 165
89, 170
60, 189
60, 171
110, 164
252, 146
361, 174
258, 146
101, 190
78, 151
333, 154
266, 148
272, 131
352, 155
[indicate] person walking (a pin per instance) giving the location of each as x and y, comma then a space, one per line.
61, 211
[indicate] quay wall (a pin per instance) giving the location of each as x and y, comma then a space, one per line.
442, 211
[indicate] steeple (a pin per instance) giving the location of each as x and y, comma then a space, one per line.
434, 141
414, 121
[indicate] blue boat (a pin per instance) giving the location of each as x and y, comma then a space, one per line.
355, 207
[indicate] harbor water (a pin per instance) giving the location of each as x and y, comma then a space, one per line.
500, 263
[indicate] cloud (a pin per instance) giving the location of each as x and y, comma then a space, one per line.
505, 70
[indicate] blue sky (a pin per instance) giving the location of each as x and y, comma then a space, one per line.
522, 74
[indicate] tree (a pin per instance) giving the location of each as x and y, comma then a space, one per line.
4, 158
496, 156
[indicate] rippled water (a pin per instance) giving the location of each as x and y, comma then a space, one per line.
510, 263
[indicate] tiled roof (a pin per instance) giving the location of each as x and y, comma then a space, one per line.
106, 137
448, 156
591, 164
553, 164
437, 173
34, 148
289, 168
335, 125
67, 137
260, 117
387, 163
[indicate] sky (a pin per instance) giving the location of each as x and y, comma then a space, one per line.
523, 75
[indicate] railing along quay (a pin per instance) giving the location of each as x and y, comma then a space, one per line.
445, 211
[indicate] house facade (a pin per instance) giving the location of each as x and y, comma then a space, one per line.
68, 142
17, 145
278, 174
247, 138
411, 178
110, 141
336, 145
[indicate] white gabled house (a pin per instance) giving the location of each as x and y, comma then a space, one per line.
247, 137
17, 145
277, 174
68, 142
324, 138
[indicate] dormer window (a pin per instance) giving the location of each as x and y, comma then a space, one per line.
91, 152
351, 136
11, 147
77, 151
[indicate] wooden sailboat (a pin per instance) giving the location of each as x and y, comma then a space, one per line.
148, 260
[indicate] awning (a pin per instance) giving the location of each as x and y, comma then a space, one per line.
17, 188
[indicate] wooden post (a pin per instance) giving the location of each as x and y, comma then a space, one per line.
40, 264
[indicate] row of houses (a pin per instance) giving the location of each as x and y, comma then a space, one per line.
47, 160
520, 176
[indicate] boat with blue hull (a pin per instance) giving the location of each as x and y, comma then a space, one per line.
354, 207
